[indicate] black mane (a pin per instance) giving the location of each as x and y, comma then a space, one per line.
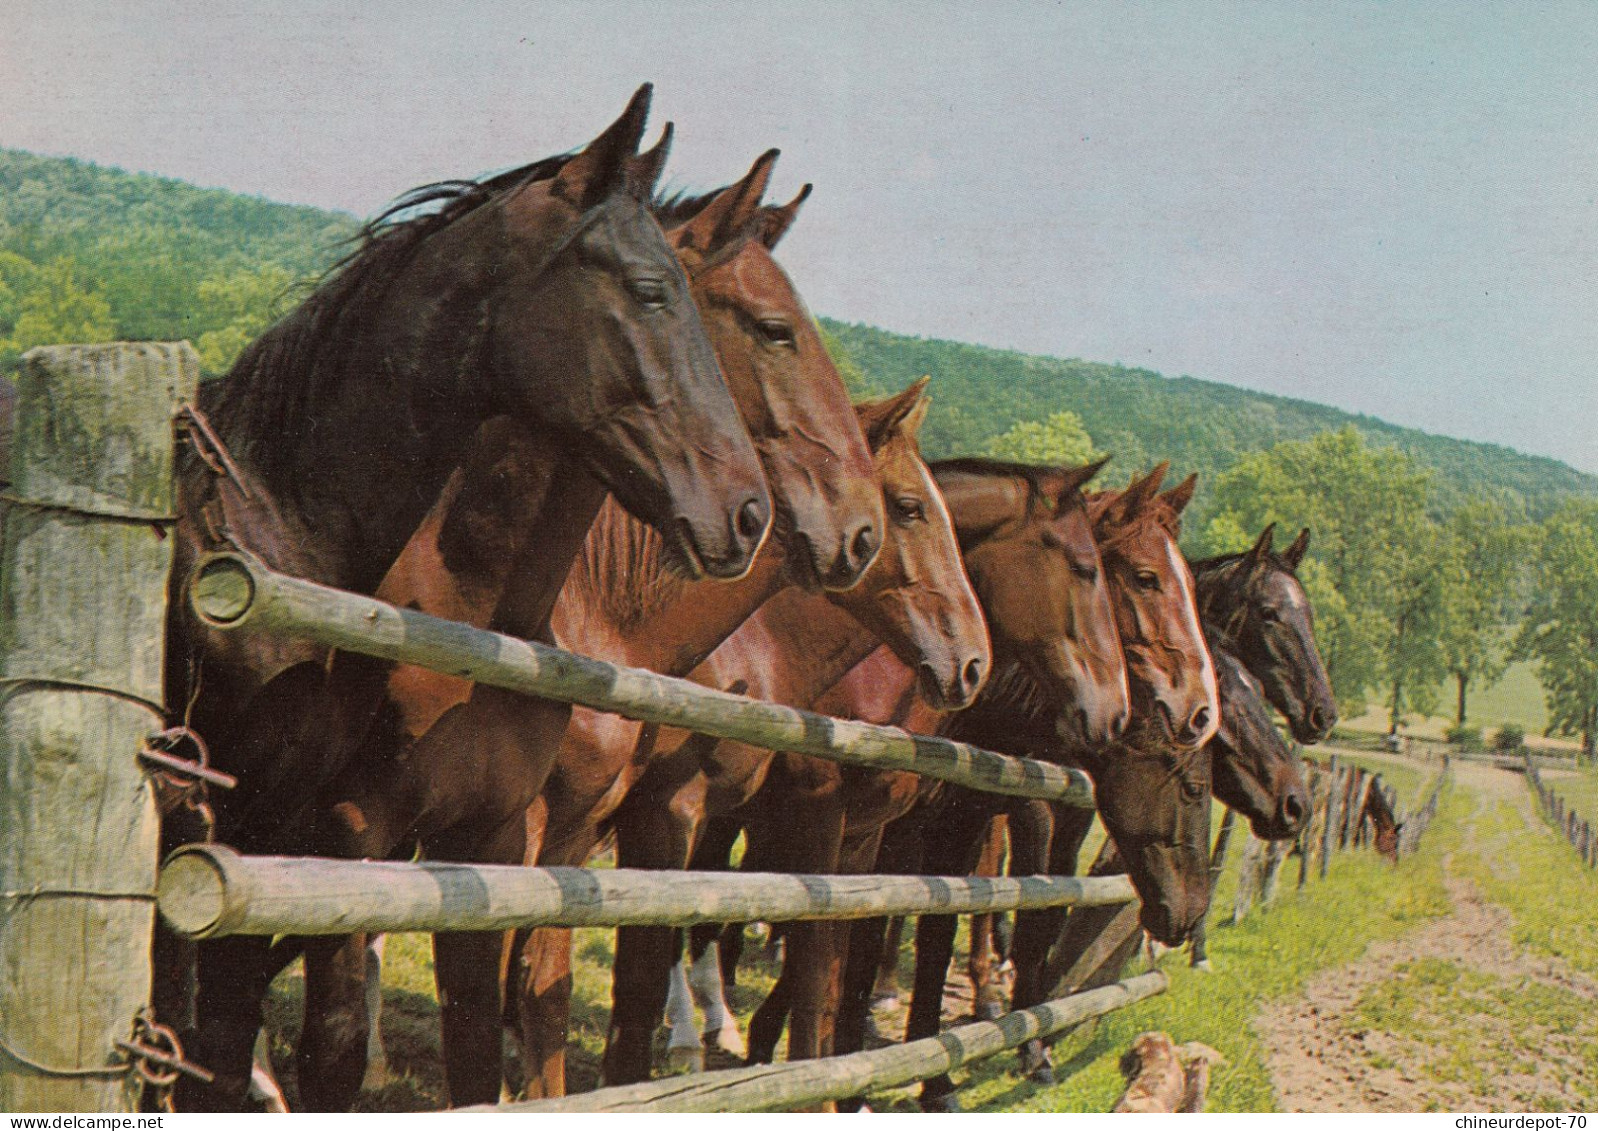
274, 385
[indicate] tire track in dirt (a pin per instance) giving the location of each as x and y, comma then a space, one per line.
1321, 1061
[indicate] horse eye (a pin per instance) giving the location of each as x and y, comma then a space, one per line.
1084, 572
777, 333
1269, 615
1193, 790
1148, 579
649, 292
909, 509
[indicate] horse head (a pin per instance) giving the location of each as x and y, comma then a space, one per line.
591, 327
793, 401
915, 595
1255, 770
1255, 604
1171, 676
1030, 552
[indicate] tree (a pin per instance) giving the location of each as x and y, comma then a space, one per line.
1062, 439
45, 306
1482, 601
1560, 631
1366, 507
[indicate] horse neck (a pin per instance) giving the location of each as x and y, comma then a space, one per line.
1220, 602
814, 644
362, 456
621, 602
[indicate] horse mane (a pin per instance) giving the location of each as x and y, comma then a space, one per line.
1223, 561
277, 381
1156, 510
621, 569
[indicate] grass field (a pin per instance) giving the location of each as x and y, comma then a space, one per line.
1270, 956
1517, 699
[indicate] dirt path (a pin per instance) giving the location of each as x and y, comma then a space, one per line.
1323, 1059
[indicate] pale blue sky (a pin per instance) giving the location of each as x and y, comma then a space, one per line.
1386, 207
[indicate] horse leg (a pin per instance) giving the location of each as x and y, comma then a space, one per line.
885, 988
377, 1074
233, 976
721, 1025
934, 951
859, 973
331, 1058
684, 1048
650, 833
469, 968
544, 1002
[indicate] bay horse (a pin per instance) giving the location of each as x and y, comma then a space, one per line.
1019, 527
918, 603
455, 759
1151, 786
543, 301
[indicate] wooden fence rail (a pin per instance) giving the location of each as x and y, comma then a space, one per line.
1575, 829
770, 1087
208, 890
235, 592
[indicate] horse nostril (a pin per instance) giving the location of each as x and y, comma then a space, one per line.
863, 547
1118, 725
1317, 718
972, 676
1294, 809
1200, 720
752, 520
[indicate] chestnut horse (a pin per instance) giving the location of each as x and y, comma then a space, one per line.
795, 641
345, 419
914, 595
458, 767
1152, 786
1014, 522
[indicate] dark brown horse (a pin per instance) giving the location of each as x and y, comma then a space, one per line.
460, 768
346, 418
1253, 605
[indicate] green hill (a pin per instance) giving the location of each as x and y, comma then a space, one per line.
1142, 417
88, 252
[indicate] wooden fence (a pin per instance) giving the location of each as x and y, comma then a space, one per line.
81, 659
1575, 829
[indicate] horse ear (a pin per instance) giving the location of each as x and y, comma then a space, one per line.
602, 166
902, 412
1294, 554
1263, 546
1182, 494
643, 171
1077, 478
731, 210
780, 217
1119, 508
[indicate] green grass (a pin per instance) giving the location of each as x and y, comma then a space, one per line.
1580, 790
1268, 956
1516, 698
1525, 866
1460, 1026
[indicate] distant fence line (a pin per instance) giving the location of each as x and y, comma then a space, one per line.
1576, 829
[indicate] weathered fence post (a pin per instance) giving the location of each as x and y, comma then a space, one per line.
1329, 833
1200, 955
84, 561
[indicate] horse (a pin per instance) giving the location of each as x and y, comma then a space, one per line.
1254, 605
794, 641
1014, 521
545, 302
1152, 785
913, 595
458, 760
